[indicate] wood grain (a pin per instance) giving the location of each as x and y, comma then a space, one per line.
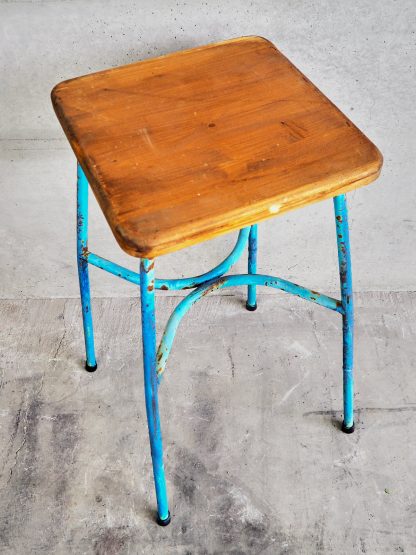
188, 146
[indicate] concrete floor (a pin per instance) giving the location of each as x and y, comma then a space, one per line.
251, 402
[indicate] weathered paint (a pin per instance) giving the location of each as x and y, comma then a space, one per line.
219, 270
174, 284
112, 268
147, 296
84, 282
233, 281
344, 260
252, 267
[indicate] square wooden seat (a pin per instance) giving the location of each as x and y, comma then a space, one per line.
185, 147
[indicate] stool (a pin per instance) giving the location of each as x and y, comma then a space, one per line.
185, 147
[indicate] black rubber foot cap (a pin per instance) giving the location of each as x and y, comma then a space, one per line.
347, 430
89, 368
250, 307
164, 522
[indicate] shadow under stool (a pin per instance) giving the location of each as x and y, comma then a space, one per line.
188, 146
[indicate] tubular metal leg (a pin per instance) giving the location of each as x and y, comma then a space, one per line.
84, 281
251, 303
344, 259
147, 297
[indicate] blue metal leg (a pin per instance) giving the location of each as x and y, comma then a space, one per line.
251, 303
84, 281
147, 296
344, 259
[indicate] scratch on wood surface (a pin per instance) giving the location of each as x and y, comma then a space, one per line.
146, 136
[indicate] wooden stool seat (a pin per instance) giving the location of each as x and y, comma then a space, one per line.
185, 147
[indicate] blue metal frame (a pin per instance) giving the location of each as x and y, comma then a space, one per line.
154, 361
252, 268
147, 298
345, 273
173, 284
84, 280
233, 281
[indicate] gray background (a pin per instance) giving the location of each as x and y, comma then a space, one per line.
360, 53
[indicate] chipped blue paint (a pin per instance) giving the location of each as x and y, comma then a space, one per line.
112, 268
233, 281
84, 282
174, 284
224, 266
147, 296
154, 362
344, 260
252, 267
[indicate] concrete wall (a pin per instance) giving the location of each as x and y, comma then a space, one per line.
361, 53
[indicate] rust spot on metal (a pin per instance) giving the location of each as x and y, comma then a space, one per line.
339, 218
150, 287
159, 356
213, 287
165, 287
152, 265
315, 293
